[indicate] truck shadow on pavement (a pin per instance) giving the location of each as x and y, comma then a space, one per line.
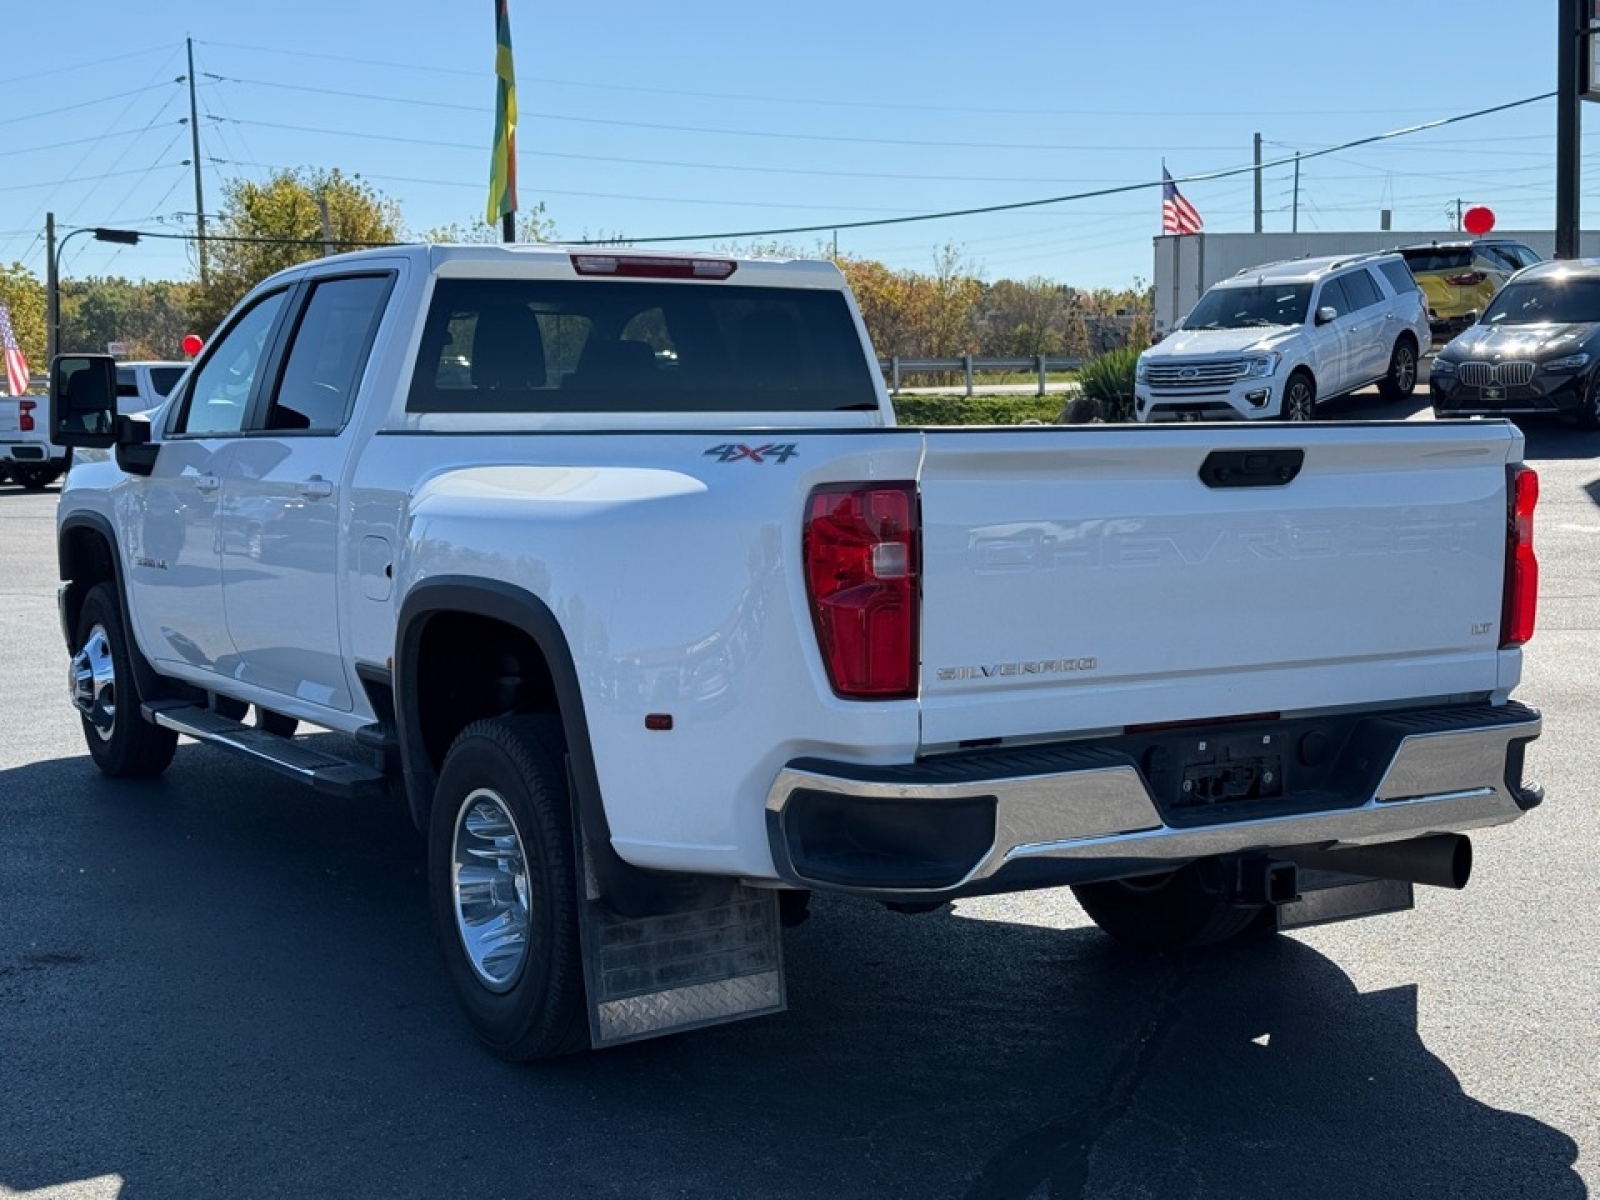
219, 984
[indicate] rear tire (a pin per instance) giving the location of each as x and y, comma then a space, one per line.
1299, 398
504, 889
1401, 380
1175, 911
122, 743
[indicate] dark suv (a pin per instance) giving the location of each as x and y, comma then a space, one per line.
1536, 349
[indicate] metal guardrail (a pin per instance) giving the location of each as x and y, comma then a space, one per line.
969, 365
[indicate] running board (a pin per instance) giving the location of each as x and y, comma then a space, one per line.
715, 958
324, 772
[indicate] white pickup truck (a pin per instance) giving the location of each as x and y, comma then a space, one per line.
26, 453
617, 565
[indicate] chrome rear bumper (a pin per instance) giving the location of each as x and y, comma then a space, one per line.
1045, 816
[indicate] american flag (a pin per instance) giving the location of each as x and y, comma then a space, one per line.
1177, 214
16, 365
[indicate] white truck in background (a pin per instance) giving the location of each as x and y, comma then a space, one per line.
618, 567
27, 454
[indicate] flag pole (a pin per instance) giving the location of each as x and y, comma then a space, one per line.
503, 169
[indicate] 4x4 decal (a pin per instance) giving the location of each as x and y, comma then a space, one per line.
736, 452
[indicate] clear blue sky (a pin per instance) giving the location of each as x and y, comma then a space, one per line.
693, 116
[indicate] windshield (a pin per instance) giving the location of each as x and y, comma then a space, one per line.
1242, 307
1547, 301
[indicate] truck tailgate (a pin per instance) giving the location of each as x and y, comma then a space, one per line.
8, 415
1085, 579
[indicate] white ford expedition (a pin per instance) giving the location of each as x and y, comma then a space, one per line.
616, 566
1274, 341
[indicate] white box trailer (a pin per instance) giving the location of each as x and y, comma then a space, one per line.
1186, 266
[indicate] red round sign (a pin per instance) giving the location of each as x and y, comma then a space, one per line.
1478, 220
192, 344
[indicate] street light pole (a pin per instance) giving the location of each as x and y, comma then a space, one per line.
124, 237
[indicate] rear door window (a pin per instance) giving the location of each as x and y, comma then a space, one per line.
1358, 286
1399, 277
552, 346
164, 379
326, 357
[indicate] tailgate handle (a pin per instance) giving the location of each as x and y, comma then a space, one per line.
1251, 468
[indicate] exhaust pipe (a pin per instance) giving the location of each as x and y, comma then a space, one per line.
1438, 860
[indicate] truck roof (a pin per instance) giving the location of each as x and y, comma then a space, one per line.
559, 260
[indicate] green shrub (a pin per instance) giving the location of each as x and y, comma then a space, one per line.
1109, 380
975, 410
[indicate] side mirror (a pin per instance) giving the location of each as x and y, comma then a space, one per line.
83, 400
1472, 316
1327, 313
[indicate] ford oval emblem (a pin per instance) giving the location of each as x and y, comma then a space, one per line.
1188, 373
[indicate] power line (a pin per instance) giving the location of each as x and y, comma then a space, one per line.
810, 101
82, 104
1112, 191
524, 115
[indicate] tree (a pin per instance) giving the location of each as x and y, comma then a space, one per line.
532, 226
23, 295
150, 319
285, 214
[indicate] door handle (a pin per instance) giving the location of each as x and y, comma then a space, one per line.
207, 483
317, 488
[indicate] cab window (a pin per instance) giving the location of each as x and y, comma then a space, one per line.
220, 391
326, 357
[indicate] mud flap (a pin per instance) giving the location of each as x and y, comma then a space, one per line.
715, 957
1328, 896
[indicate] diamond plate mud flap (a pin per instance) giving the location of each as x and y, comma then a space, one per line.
1328, 896
718, 958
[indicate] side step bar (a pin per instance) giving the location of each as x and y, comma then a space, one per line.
324, 772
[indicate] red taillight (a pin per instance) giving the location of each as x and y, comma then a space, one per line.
1522, 569
1467, 279
641, 266
862, 575
25, 414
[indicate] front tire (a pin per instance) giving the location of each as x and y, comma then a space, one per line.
122, 743
1401, 380
1299, 398
1175, 911
1588, 414
504, 889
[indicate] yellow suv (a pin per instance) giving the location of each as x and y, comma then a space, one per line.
1458, 279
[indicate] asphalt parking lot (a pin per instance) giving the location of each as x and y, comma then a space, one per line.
218, 984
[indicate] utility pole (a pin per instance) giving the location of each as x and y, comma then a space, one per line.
1295, 224
52, 290
1572, 35
327, 224
1258, 183
194, 141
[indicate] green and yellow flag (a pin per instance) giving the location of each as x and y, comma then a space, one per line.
503, 165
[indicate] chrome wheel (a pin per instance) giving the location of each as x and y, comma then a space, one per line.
1298, 400
490, 878
92, 682
1405, 369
